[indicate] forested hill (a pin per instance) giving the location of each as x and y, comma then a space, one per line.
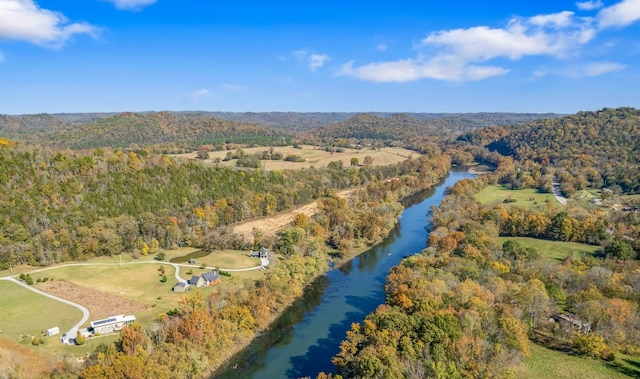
131, 129
403, 126
607, 140
368, 126
87, 130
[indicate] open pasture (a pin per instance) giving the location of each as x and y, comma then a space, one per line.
526, 198
553, 249
314, 156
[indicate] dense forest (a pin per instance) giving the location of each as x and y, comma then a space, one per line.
595, 149
64, 205
469, 306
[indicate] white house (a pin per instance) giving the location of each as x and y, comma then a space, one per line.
52, 331
111, 324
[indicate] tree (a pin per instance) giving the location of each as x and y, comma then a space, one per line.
355, 161
619, 250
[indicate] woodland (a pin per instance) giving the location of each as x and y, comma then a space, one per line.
82, 186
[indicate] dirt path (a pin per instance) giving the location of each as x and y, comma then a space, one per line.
271, 224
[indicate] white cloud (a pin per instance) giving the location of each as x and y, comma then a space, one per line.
23, 20
382, 47
131, 5
317, 60
589, 5
599, 68
622, 14
314, 61
461, 54
195, 96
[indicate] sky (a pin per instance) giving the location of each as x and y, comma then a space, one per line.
541, 56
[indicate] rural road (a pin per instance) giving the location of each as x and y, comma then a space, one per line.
71, 333
85, 312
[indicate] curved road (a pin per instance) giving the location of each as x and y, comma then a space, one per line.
71, 333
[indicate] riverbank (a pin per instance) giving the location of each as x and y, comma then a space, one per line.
377, 257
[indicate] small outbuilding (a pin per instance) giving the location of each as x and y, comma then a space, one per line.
52, 331
180, 287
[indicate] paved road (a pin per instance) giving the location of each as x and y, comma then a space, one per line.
85, 312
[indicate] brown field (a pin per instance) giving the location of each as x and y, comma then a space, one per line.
270, 225
99, 303
17, 361
314, 156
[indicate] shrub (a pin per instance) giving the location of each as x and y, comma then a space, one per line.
294, 158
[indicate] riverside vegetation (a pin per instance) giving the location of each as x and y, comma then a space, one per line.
468, 306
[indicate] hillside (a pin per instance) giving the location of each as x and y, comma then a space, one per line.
135, 129
607, 140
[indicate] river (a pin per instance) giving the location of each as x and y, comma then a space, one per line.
305, 338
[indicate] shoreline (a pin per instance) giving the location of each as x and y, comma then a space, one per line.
337, 264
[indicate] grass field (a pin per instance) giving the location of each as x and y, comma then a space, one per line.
544, 363
527, 198
314, 156
28, 313
553, 249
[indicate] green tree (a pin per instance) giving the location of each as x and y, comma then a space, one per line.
619, 250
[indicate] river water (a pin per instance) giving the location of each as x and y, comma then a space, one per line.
303, 341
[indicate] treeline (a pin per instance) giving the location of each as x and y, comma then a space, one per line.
201, 332
466, 306
132, 130
599, 148
61, 205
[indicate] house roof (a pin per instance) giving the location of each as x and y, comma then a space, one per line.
211, 276
194, 279
180, 284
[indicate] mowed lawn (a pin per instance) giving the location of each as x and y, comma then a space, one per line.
229, 259
553, 249
24, 312
545, 363
314, 156
526, 198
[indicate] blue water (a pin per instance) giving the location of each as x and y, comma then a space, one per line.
303, 342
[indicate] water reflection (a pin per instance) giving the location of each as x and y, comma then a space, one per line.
308, 334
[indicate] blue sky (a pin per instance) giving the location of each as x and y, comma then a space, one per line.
348, 56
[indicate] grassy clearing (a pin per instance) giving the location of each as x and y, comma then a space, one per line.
553, 249
314, 156
550, 364
527, 198
28, 313
228, 259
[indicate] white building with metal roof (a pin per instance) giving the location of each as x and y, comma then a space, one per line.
111, 324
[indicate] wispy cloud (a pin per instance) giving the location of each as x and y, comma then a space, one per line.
24, 20
314, 61
382, 47
589, 5
619, 15
131, 5
599, 68
233, 87
472, 53
197, 95
317, 60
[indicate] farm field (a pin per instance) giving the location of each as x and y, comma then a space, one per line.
28, 313
553, 249
545, 363
314, 156
527, 198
